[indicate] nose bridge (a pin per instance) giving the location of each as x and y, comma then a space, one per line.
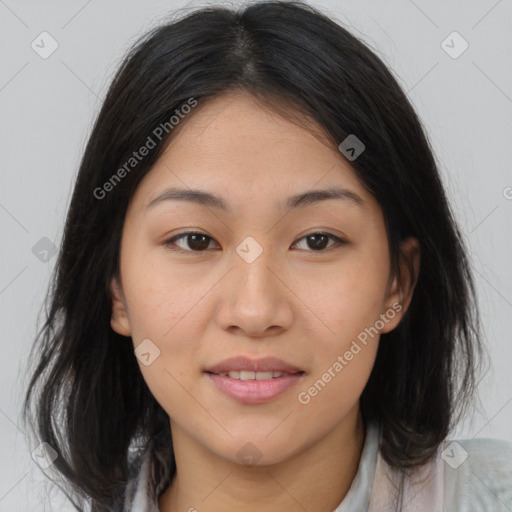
255, 299
254, 271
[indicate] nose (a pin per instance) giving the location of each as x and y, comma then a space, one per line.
255, 299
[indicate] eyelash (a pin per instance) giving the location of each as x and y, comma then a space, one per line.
171, 241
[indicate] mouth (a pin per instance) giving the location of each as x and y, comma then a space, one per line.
254, 387
253, 381
246, 375
247, 368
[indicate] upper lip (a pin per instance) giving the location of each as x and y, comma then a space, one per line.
243, 363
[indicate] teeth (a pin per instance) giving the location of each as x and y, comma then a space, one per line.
248, 375
264, 375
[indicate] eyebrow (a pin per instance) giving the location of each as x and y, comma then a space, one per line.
204, 198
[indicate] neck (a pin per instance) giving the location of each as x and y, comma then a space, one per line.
316, 479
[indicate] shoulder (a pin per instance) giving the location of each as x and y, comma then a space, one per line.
478, 475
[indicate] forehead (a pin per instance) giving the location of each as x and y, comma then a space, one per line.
238, 149
238, 127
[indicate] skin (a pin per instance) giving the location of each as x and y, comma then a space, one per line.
302, 305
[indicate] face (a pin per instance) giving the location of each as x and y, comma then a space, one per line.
307, 283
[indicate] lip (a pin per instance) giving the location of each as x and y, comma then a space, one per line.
255, 391
241, 363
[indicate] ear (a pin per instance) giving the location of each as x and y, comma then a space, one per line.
119, 320
402, 288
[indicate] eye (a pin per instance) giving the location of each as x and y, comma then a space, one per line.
199, 242
318, 241
195, 240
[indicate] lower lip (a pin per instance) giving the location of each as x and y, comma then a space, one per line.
255, 391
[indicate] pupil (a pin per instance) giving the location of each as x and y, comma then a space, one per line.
316, 244
204, 245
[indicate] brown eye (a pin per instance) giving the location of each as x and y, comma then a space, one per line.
194, 241
199, 242
318, 241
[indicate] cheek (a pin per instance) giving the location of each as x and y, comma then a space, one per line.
167, 309
349, 298
170, 318
159, 297
346, 349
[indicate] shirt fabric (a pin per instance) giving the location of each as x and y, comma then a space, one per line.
470, 475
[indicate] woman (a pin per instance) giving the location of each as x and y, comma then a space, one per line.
262, 300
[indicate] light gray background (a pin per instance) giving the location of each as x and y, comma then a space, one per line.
47, 110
